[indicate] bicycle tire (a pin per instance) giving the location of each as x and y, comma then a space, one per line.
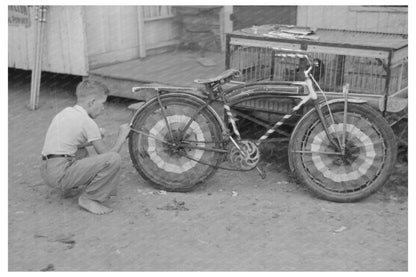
156, 162
371, 151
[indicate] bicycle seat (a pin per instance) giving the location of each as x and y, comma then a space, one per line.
225, 75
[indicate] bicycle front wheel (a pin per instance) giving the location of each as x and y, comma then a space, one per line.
370, 152
154, 154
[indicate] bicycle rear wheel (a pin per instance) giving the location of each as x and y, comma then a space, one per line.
164, 165
369, 158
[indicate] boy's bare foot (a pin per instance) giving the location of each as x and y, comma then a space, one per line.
93, 206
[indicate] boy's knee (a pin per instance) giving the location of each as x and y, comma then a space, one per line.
114, 158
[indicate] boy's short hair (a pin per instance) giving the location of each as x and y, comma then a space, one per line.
88, 88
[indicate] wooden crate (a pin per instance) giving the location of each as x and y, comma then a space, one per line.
373, 64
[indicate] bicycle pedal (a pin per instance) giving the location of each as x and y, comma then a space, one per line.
261, 172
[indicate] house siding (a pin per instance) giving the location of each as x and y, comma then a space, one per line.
358, 18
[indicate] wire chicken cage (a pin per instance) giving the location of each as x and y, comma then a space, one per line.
373, 64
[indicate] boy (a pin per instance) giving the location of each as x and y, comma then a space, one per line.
64, 165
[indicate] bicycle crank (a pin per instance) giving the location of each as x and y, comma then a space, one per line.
247, 157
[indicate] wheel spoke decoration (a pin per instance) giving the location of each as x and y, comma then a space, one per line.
163, 159
361, 164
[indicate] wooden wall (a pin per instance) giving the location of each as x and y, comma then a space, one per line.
112, 34
81, 38
247, 16
64, 42
121, 33
159, 27
361, 18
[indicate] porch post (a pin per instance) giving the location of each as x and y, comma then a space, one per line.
140, 25
37, 60
226, 25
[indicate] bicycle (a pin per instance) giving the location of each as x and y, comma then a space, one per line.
341, 149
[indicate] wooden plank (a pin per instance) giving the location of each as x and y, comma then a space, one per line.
226, 25
384, 9
323, 16
360, 18
111, 30
64, 46
368, 21
140, 31
395, 23
399, 56
358, 52
84, 39
180, 69
163, 44
302, 16
94, 31
99, 60
160, 31
129, 37
263, 44
21, 44
159, 18
35, 77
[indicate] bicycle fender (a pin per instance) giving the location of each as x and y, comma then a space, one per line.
190, 95
338, 100
330, 102
312, 110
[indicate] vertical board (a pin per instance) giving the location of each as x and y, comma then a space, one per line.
383, 19
395, 21
21, 44
247, 16
226, 24
112, 34
63, 42
368, 21
160, 29
64, 50
159, 33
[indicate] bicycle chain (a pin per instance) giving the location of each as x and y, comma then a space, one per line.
214, 166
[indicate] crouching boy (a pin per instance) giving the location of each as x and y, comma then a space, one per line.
64, 163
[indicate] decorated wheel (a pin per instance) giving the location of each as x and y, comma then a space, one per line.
366, 164
168, 157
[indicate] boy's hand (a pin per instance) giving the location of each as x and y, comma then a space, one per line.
124, 131
102, 131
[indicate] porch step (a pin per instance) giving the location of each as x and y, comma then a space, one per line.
168, 69
123, 87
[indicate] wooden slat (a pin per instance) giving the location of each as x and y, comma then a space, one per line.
258, 43
111, 31
168, 68
64, 43
362, 18
398, 56
140, 31
357, 52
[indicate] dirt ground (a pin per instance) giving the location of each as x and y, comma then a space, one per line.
233, 222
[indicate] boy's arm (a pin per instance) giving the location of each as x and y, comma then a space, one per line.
102, 131
84, 145
100, 147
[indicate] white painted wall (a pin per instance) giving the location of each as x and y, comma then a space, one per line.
360, 18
